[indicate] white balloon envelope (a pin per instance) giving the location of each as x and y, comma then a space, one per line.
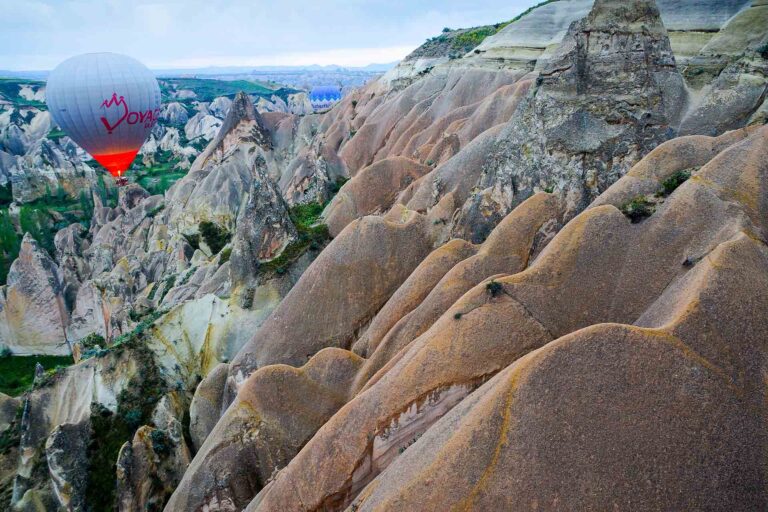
107, 103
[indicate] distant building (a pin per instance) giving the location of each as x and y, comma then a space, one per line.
324, 97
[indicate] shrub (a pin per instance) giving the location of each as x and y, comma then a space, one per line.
336, 185
763, 50
494, 288
225, 255
93, 340
304, 216
161, 442
193, 240
670, 184
214, 236
638, 209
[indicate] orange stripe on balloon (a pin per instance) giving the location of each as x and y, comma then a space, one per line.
116, 163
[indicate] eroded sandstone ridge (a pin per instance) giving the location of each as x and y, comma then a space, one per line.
538, 281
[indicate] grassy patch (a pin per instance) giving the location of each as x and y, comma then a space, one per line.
638, 209
304, 216
214, 236
472, 38
17, 373
312, 235
226, 253
670, 184
55, 134
159, 177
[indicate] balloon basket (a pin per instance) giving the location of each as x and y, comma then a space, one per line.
121, 181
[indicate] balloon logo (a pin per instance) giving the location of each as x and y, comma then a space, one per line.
107, 103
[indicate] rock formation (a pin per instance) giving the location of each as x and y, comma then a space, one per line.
32, 304
533, 309
606, 97
526, 288
264, 229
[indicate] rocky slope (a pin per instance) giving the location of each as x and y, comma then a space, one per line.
541, 287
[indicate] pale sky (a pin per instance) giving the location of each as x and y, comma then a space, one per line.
38, 34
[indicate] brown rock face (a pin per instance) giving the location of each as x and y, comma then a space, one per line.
509, 249
277, 410
340, 292
674, 276
205, 409
372, 191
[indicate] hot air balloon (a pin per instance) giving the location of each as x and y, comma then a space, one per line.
324, 97
107, 103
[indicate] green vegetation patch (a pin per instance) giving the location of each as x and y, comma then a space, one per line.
56, 134
763, 50
465, 41
6, 195
226, 253
312, 235
17, 373
214, 236
455, 43
208, 89
638, 209
134, 409
494, 288
161, 175
670, 184
9, 88
44, 217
